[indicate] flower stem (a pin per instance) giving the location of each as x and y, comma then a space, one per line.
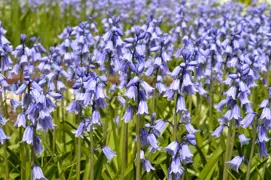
229, 149
254, 132
252, 149
125, 135
33, 149
78, 168
6, 160
22, 145
91, 155
124, 149
22, 156
106, 120
138, 148
138, 174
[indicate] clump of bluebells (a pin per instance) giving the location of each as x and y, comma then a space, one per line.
168, 69
5, 64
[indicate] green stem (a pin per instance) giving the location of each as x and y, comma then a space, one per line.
78, 168
22, 156
109, 107
124, 147
22, 145
125, 137
254, 131
138, 148
252, 149
229, 149
91, 155
6, 160
138, 145
32, 163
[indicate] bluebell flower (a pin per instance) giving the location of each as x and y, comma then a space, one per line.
262, 134
176, 167
266, 114
128, 115
247, 121
243, 139
80, 130
158, 127
146, 163
232, 92
180, 104
235, 163
235, 113
185, 154
190, 138
218, 131
21, 121
37, 173
190, 129
142, 108
45, 123
15, 103
74, 106
108, 153
121, 100
264, 103
28, 135
172, 148
3, 136
21, 89
220, 105
153, 142
95, 118
131, 92
262, 149
147, 166
2, 120
38, 146
144, 137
